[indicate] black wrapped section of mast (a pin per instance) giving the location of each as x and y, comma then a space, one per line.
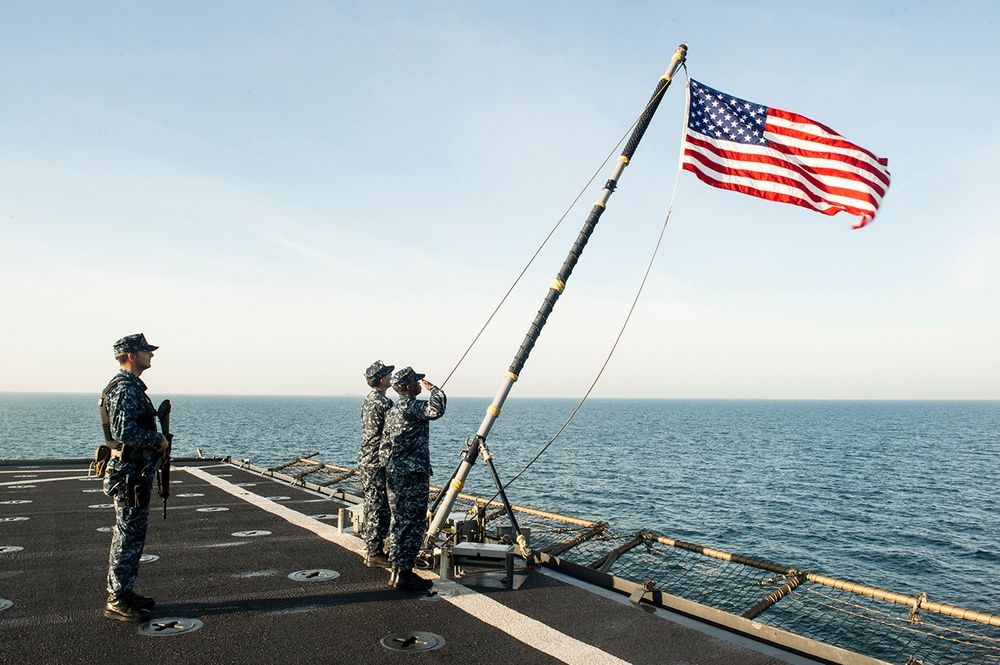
647, 115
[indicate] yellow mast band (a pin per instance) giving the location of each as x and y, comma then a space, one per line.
487, 457
457, 485
558, 286
623, 159
600, 203
677, 56
493, 410
511, 376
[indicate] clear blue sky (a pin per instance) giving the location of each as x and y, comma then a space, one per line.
278, 194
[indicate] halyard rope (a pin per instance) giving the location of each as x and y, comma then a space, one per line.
572, 205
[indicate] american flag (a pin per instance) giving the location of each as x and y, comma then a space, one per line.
734, 144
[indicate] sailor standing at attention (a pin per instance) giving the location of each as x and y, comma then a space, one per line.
406, 454
129, 422
373, 411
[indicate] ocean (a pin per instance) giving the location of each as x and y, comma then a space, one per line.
901, 495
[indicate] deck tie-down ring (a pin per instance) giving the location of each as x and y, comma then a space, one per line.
169, 626
413, 641
314, 575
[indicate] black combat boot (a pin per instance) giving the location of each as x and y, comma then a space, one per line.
142, 602
376, 560
120, 607
409, 580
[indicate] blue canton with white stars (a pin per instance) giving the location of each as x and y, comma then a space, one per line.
724, 117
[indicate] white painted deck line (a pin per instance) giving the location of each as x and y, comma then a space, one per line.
35, 481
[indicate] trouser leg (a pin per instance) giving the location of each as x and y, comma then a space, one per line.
408, 498
377, 512
127, 542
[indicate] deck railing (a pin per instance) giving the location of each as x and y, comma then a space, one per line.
819, 615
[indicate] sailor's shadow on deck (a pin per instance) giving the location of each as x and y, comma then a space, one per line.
285, 605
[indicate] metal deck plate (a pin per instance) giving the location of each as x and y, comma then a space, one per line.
168, 626
314, 575
413, 641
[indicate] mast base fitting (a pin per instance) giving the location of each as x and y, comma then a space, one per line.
485, 555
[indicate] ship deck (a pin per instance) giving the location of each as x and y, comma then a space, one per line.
233, 568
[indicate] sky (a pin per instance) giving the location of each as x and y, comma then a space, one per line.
278, 194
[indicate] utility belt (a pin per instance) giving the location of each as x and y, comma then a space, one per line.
126, 453
104, 453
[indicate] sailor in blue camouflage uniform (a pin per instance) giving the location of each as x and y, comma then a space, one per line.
372, 471
130, 430
406, 453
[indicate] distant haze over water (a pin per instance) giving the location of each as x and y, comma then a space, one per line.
896, 494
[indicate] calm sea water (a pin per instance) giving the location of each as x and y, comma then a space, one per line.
899, 495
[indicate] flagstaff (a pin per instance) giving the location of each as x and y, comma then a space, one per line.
477, 444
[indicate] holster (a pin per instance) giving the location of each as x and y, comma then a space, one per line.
137, 490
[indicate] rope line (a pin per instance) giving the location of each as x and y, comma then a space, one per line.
548, 237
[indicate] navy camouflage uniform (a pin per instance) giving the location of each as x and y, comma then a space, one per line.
133, 423
372, 471
406, 454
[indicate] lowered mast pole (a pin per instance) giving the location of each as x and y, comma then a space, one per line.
478, 443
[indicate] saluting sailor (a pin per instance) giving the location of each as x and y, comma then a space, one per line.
129, 421
373, 411
406, 454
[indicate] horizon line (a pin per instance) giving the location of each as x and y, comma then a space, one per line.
483, 397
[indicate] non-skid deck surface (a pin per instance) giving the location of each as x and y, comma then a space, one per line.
237, 552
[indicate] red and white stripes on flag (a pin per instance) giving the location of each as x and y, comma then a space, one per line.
776, 155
